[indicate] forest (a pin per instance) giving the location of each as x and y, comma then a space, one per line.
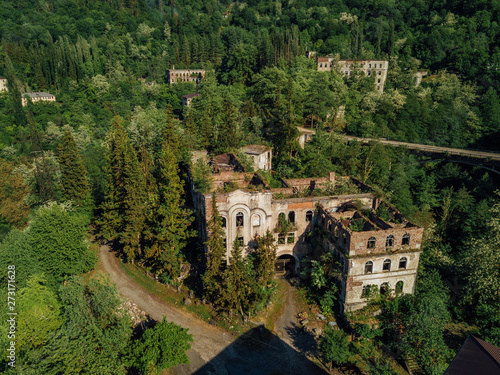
110, 159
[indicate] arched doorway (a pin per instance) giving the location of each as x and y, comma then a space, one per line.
285, 264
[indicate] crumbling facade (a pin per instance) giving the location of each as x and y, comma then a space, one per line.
338, 214
185, 75
261, 155
3, 84
37, 97
371, 68
375, 255
187, 99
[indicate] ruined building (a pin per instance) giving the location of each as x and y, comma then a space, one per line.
3, 84
185, 75
371, 68
375, 254
339, 213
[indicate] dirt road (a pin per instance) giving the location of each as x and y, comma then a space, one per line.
214, 351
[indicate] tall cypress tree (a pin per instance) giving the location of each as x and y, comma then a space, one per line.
125, 201
237, 281
169, 221
265, 259
15, 93
213, 278
74, 179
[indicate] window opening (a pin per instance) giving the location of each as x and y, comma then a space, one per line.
389, 242
402, 263
239, 219
371, 242
369, 267
387, 265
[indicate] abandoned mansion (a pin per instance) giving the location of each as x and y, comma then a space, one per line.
375, 246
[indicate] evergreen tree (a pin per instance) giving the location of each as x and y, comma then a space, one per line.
74, 179
15, 93
213, 278
237, 281
265, 259
124, 206
169, 224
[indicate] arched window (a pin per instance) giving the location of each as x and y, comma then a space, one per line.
402, 263
291, 216
387, 265
406, 239
369, 267
281, 218
384, 288
368, 291
336, 232
239, 219
399, 287
309, 216
389, 242
330, 227
224, 222
371, 242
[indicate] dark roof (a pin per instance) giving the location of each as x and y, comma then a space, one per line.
256, 149
475, 357
42, 94
189, 96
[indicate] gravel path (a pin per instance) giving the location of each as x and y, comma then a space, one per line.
214, 351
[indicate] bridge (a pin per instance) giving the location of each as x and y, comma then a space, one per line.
486, 159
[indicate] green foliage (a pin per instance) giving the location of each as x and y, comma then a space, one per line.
213, 282
74, 180
334, 347
39, 313
124, 208
161, 347
168, 226
57, 237
201, 173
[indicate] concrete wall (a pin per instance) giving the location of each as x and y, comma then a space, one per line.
353, 251
261, 213
376, 68
3, 84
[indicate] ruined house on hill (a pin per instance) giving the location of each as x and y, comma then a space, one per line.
339, 212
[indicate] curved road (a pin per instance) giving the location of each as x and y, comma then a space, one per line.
214, 351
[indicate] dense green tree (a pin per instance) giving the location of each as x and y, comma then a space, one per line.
15, 93
169, 224
124, 209
213, 282
94, 336
161, 347
265, 258
238, 281
74, 179
58, 239
39, 313
334, 347
13, 191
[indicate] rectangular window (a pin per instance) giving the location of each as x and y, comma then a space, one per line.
240, 241
281, 239
291, 238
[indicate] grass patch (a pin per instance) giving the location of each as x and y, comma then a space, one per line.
201, 311
276, 308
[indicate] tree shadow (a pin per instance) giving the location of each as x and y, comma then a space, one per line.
303, 340
257, 352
